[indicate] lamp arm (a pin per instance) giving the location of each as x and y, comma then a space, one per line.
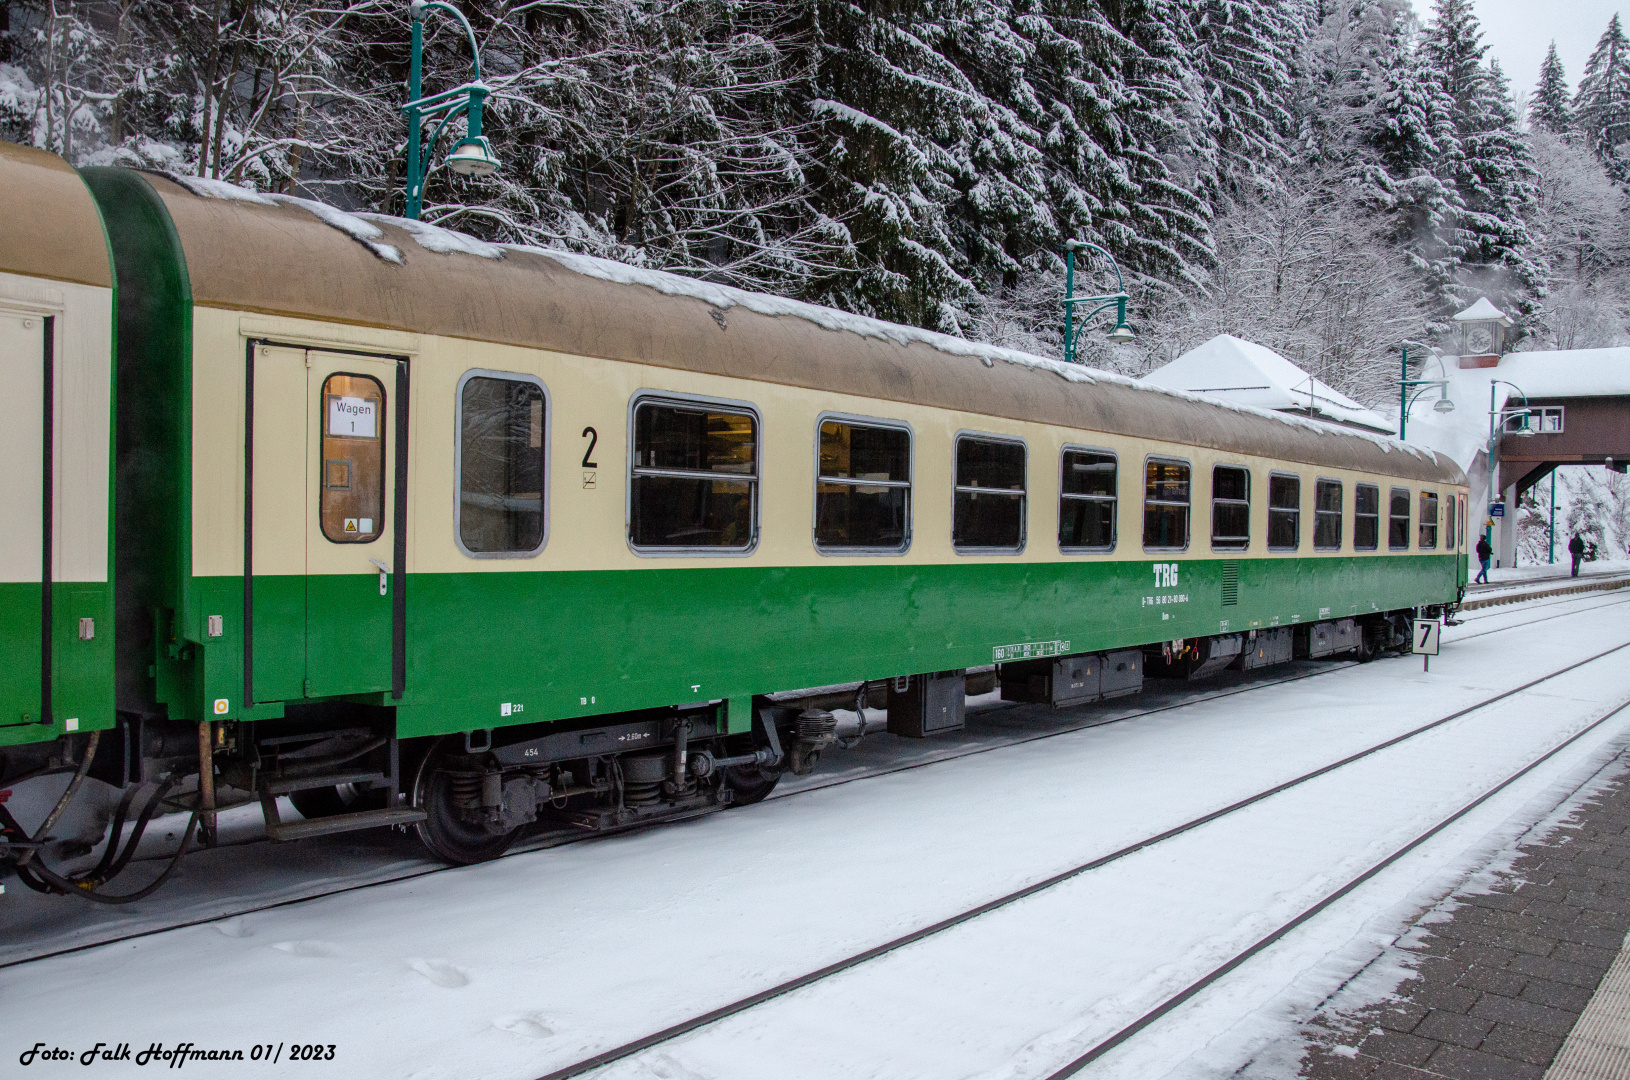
418, 7
1120, 283
430, 145
1089, 316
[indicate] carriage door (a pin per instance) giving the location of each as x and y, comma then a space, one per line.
24, 438
327, 612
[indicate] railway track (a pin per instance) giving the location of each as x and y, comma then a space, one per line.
751, 1001
564, 836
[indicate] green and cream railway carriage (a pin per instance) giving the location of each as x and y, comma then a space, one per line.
56, 449
472, 535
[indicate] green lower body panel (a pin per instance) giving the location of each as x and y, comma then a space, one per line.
81, 669
486, 650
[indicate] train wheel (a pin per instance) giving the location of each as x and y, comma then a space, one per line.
329, 801
444, 832
750, 783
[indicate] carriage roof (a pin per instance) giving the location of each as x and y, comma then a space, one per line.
292, 257
51, 227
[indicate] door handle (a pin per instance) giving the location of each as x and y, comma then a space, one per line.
384, 574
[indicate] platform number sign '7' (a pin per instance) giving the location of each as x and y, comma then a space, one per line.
1426, 637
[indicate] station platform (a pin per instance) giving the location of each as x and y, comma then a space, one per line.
1523, 973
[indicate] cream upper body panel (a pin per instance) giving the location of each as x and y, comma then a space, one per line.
587, 515
82, 337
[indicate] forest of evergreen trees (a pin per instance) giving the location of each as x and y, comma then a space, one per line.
1326, 177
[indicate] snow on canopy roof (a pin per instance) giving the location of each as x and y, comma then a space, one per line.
1483, 311
418, 297
1232, 369
1543, 376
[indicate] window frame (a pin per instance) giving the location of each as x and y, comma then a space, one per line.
1357, 485
755, 479
1341, 530
1420, 519
1143, 489
1246, 469
458, 460
909, 485
387, 460
1115, 522
1282, 475
1024, 493
1409, 520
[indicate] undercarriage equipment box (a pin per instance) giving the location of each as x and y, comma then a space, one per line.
928, 704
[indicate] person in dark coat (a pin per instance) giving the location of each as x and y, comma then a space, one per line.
1484, 554
1576, 548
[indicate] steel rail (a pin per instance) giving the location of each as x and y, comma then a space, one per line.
713, 1016
1105, 1046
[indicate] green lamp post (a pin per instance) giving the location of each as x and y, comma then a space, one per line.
471, 155
1122, 332
1499, 420
1406, 385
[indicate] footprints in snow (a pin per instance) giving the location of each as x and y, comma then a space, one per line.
532, 1025
307, 948
440, 972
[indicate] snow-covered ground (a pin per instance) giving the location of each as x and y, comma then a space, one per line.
519, 967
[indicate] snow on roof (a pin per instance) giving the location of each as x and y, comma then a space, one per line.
1228, 368
1483, 311
444, 241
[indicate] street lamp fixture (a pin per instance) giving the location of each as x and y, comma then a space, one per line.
1121, 333
471, 155
1406, 384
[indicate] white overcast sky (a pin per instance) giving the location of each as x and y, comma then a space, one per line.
1519, 31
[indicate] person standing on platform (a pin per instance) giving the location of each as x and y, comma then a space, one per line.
1576, 548
1484, 554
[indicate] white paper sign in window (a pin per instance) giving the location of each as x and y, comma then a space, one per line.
352, 417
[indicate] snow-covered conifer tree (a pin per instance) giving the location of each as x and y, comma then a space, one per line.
1551, 107
1602, 105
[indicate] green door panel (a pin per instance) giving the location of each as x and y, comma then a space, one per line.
279, 646
348, 634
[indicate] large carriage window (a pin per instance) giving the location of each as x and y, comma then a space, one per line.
1398, 521
1429, 521
500, 465
863, 495
1327, 515
694, 482
1165, 505
352, 493
1366, 517
988, 509
1086, 502
1230, 508
1284, 512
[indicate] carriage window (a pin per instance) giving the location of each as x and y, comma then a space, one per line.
1165, 504
1284, 512
863, 494
1327, 515
1428, 539
1398, 522
1366, 517
500, 465
1086, 503
352, 486
694, 482
1230, 508
988, 507
1450, 537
